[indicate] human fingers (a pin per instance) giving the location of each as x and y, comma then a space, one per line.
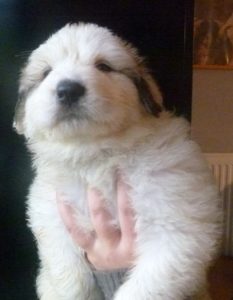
101, 218
68, 214
125, 212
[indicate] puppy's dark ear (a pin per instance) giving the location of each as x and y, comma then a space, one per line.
149, 95
19, 113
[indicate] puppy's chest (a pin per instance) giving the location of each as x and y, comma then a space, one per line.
76, 180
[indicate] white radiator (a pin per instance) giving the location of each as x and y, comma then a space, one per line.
222, 167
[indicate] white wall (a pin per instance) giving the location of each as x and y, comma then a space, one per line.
212, 112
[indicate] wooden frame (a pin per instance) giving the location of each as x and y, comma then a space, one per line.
213, 34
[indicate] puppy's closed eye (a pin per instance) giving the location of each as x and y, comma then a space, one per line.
104, 67
46, 72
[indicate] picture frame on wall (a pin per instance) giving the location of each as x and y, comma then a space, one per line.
213, 34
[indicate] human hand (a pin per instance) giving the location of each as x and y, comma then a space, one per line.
108, 248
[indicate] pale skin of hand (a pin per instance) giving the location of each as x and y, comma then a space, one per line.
107, 248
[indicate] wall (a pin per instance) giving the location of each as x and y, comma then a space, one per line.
212, 111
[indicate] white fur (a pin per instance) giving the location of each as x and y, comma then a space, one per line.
175, 201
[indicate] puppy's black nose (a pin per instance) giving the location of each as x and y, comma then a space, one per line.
69, 92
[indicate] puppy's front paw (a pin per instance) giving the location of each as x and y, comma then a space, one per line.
126, 292
137, 290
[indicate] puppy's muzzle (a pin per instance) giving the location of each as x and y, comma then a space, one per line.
69, 92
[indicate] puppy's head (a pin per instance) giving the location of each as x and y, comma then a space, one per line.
83, 81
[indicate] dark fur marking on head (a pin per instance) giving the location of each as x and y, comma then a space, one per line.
146, 96
28, 87
20, 112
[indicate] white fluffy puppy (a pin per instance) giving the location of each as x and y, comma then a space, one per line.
87, 108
